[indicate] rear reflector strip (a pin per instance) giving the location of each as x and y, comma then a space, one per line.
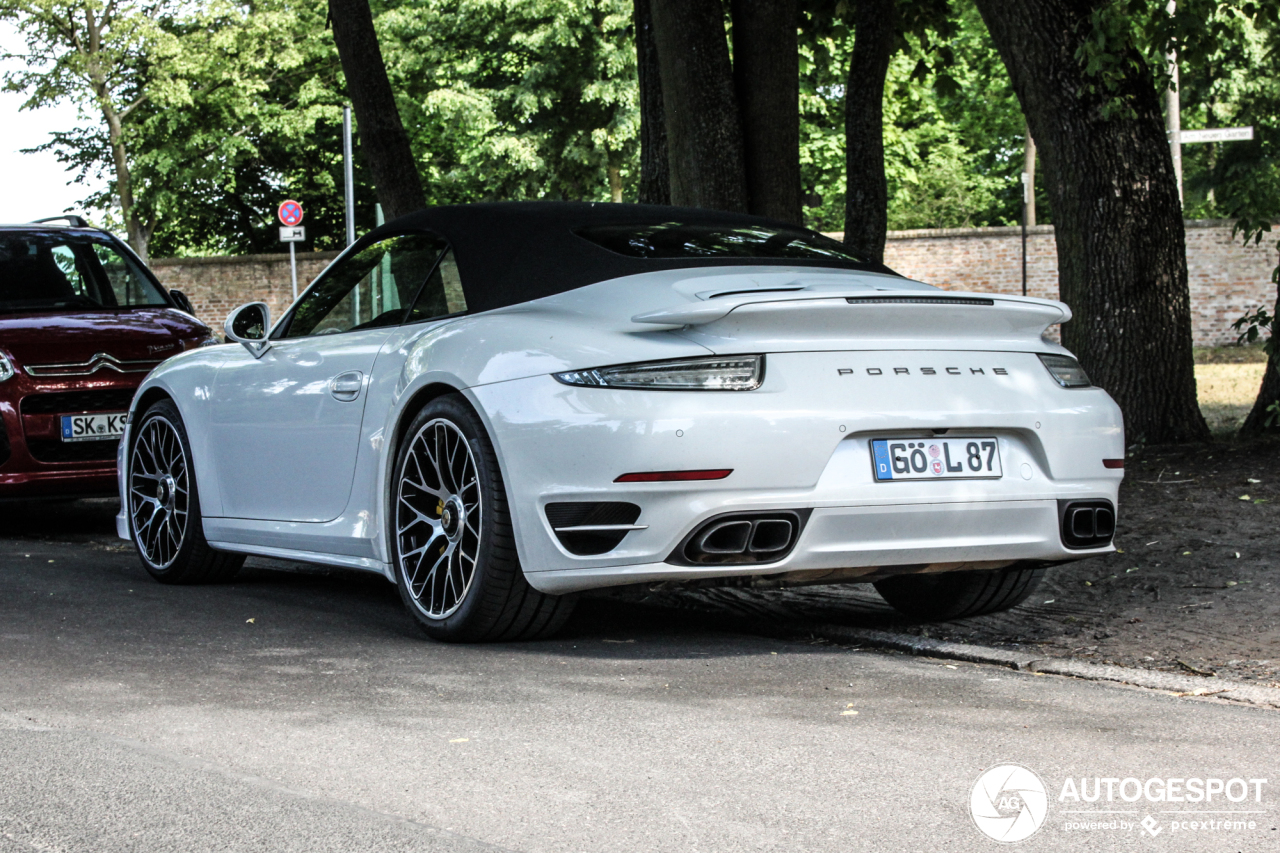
1112, 463
672, 476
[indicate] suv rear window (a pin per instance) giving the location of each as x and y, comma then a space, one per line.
670, 240
50, 270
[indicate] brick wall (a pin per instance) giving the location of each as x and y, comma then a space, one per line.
217, 285
1226, 277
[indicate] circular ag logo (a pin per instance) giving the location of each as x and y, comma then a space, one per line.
1008, 803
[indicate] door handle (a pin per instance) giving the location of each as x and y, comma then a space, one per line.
346, 386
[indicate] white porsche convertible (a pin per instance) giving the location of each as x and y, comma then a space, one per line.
497, 406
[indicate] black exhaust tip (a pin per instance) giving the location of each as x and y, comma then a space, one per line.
1086, 524
742, 537
771, 535
723, 537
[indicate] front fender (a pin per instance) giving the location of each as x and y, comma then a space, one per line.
187, 380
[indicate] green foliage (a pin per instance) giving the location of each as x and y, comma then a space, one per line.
517, 99
230, 108
953, 128
218, 108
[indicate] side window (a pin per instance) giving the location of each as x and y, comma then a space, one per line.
371, 288
64, 257
127, 283
442, 294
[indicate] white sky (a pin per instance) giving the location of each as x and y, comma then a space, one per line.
34, 185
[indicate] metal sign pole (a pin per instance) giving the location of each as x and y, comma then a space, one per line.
290, 214
349, 179
1026, 201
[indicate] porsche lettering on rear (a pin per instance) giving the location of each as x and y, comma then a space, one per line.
924, 371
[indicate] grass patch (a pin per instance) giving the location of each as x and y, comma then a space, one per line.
1226, 392
1230, 355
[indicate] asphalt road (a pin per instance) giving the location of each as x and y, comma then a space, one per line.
301, 710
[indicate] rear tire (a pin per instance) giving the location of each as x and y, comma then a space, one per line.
164, 504
453, 547
958, 595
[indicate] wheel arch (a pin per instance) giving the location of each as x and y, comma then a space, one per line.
150, 397
416, 403
396, 431
418, 400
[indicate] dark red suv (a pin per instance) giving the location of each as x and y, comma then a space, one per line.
82, 321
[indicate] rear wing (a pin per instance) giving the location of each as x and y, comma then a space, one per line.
825, 318
713, 307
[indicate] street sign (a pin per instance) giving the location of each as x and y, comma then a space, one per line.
290, 213
1217, 134
292, 234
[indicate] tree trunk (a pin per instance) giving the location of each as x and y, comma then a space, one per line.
704, 133
766, 75
1121, 245
139, 234
383, 140
1269, 393
866, 204
655, 177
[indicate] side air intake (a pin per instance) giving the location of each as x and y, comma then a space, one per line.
588, 528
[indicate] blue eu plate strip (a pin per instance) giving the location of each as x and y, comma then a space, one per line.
884, 468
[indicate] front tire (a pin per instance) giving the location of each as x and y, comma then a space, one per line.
958, 595
453, 547
164, 504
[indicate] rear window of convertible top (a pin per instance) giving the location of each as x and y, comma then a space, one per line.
672, 240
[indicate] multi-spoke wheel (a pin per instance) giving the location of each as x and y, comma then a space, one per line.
439, 512
455, 556
159, 492
164, 505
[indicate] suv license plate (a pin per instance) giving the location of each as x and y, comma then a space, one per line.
968, 458
95, 427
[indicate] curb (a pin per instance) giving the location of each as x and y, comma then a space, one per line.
1180, 685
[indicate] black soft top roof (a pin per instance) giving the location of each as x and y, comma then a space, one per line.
512, 252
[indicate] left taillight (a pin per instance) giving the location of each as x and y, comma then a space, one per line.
727, 373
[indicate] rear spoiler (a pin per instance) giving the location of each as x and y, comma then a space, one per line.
715, 307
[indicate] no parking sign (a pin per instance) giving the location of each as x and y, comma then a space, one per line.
290, 212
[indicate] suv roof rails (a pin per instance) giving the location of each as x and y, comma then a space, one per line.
70, 218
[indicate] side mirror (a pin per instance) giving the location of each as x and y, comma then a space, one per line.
184, 304
248, 325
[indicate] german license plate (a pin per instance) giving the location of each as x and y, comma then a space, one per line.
95, 427
966, 458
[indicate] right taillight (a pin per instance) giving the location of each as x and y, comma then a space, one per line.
1066, 371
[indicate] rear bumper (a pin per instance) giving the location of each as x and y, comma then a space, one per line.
853, 542
802, 442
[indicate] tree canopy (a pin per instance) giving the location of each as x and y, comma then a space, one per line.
228, 108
